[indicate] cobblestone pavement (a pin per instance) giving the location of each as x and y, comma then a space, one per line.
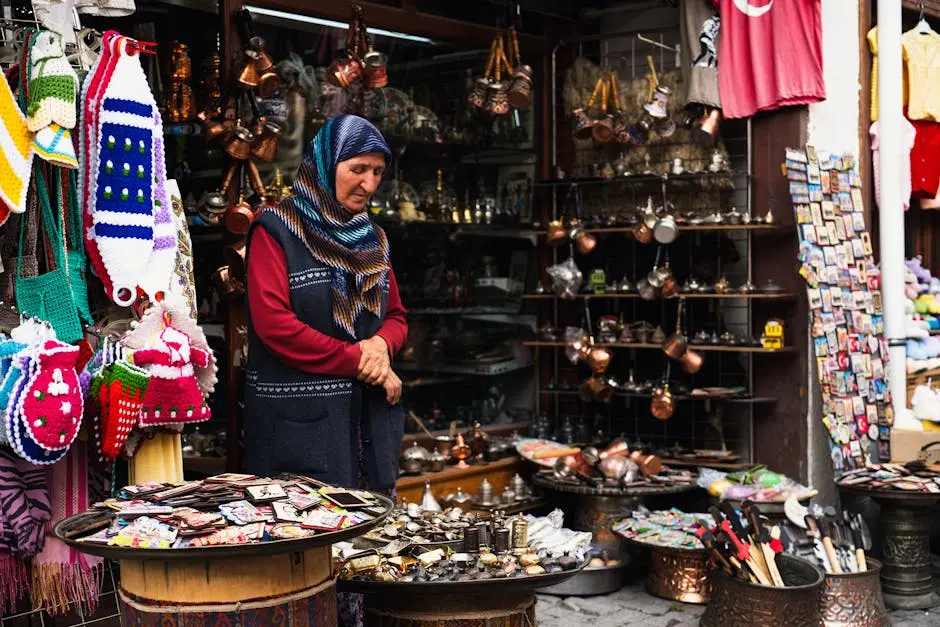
631, 605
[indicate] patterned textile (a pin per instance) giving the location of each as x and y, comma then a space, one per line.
24, 505
354, 248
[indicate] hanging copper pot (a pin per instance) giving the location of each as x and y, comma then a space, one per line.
215, 129
248, 74
670, 286
265, 147
238, 146
520, 89
649, 464
234, 256
262, 60
344, 71
598, 359
268, 82
662, 405
658, 107
603, 129
375, 66
642, 233
497, 98
675, 346
582, 239
705, 132
477, 96
583, 119
557, 233
691, 361
238, 218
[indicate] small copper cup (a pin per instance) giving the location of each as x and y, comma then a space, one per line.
582, 239
662, 405
265, 147
238, 146
670, 287
497, 98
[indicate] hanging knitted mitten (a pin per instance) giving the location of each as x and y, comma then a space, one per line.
124, 386
52, 405
125, 178
20, 439
16, 152
173, 394
51, 109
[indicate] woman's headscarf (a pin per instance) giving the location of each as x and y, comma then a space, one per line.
354, 248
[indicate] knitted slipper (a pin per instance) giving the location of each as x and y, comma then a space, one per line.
54, 144
22, 444
16, 152
123, 187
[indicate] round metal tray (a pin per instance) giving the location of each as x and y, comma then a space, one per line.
649, 546
591, 581
544, 482
273, 547
890, 495
512, 585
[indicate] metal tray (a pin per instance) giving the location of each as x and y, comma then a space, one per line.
591, 581
512, 585
548, 484
274, 547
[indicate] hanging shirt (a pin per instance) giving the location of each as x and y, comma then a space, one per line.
700, 26
921, 52
925, 164
873, 46
907, 143
770, 55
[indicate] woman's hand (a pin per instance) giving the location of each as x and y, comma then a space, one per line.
392, 388
374, 365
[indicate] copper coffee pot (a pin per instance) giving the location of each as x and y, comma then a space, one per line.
265, 146
597, 358
691, 362
238, 218
460, 451
603, 129
582, 239
649, 464
238, 146
663, 404
676, 345
584, 119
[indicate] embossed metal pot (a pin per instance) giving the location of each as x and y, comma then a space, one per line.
736, 603
679, 575
854, 599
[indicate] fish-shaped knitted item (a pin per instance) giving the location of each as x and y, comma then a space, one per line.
87, 148
125, 178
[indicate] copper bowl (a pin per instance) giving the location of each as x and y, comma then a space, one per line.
736, 603
679, 575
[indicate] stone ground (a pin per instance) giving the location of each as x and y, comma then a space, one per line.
631, 605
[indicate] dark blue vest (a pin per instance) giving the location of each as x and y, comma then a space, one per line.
317, 425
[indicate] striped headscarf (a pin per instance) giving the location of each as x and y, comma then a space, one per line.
350, 244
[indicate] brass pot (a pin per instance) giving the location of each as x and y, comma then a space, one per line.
521, 87
737, 603
662, 405
722, 286
557, 233
854, 599
679, 575
598, 359
691, 361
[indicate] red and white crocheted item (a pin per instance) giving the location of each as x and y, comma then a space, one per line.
173, 395
51, 405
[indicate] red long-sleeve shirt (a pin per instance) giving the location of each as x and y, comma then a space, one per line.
290, 340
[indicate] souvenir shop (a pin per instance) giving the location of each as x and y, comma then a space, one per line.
637, 298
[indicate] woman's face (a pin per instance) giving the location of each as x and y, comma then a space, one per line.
357, 179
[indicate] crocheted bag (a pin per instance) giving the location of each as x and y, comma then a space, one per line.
122, 389
75, 253
22, 444
51, 405
48, 296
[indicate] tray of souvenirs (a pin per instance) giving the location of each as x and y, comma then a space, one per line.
665, 529
912, 479
514, 553
233, 514
409, 523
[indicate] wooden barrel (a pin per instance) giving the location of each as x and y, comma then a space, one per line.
489, 611
289, 589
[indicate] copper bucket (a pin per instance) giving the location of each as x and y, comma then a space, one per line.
679, 575
736, 603
854, 599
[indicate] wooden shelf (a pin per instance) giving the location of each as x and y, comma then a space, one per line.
628, 230
650, 346
631, 295
704, 463
744, 400
498, 473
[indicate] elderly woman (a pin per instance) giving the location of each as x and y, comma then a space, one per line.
324, 321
